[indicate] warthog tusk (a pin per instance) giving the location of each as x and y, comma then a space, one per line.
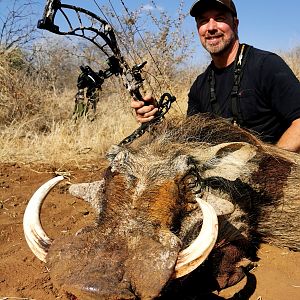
193, 256
36, 238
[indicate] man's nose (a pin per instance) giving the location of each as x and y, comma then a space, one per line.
211, 25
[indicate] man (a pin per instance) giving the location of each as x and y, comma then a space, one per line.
251, 87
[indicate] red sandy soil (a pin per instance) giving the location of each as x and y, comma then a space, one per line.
277, 276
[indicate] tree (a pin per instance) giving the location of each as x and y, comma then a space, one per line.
16, 25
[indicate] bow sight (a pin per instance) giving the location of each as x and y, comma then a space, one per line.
100, 33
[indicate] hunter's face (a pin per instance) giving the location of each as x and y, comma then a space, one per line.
217, 30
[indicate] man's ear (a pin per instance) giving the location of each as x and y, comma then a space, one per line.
227, 160
236, 25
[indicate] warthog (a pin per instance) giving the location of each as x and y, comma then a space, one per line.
152, 201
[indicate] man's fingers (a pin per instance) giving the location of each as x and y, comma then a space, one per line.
136, 104
143, 119
146, 115
146, 110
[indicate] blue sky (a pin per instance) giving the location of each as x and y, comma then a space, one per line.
267, 24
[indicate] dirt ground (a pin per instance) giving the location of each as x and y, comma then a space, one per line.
277, 276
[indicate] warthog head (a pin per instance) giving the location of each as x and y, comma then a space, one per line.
155, 198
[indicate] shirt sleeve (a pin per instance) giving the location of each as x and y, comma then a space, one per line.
282, 87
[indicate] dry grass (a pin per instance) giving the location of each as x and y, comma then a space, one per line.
66, 142
36, 124
292, 58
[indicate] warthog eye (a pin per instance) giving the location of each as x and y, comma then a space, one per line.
191, 183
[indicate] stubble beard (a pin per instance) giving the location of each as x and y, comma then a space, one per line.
222, 46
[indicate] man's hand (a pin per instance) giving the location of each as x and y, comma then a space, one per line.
145, 110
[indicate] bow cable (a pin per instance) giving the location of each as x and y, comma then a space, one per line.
152, 57
132, 45
109, 21
116, 33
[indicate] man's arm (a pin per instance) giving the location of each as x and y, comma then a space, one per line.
290, 140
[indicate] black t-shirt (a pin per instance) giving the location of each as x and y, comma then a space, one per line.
268, 97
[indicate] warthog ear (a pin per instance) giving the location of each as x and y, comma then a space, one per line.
227, 160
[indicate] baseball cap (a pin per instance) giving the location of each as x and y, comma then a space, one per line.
202, 4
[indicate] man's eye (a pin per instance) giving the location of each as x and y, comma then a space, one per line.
220, 19
202, 22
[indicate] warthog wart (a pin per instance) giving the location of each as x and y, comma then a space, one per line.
191, 175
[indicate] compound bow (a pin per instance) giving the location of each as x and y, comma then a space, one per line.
101, 34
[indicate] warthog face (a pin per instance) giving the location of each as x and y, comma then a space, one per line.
152, 201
